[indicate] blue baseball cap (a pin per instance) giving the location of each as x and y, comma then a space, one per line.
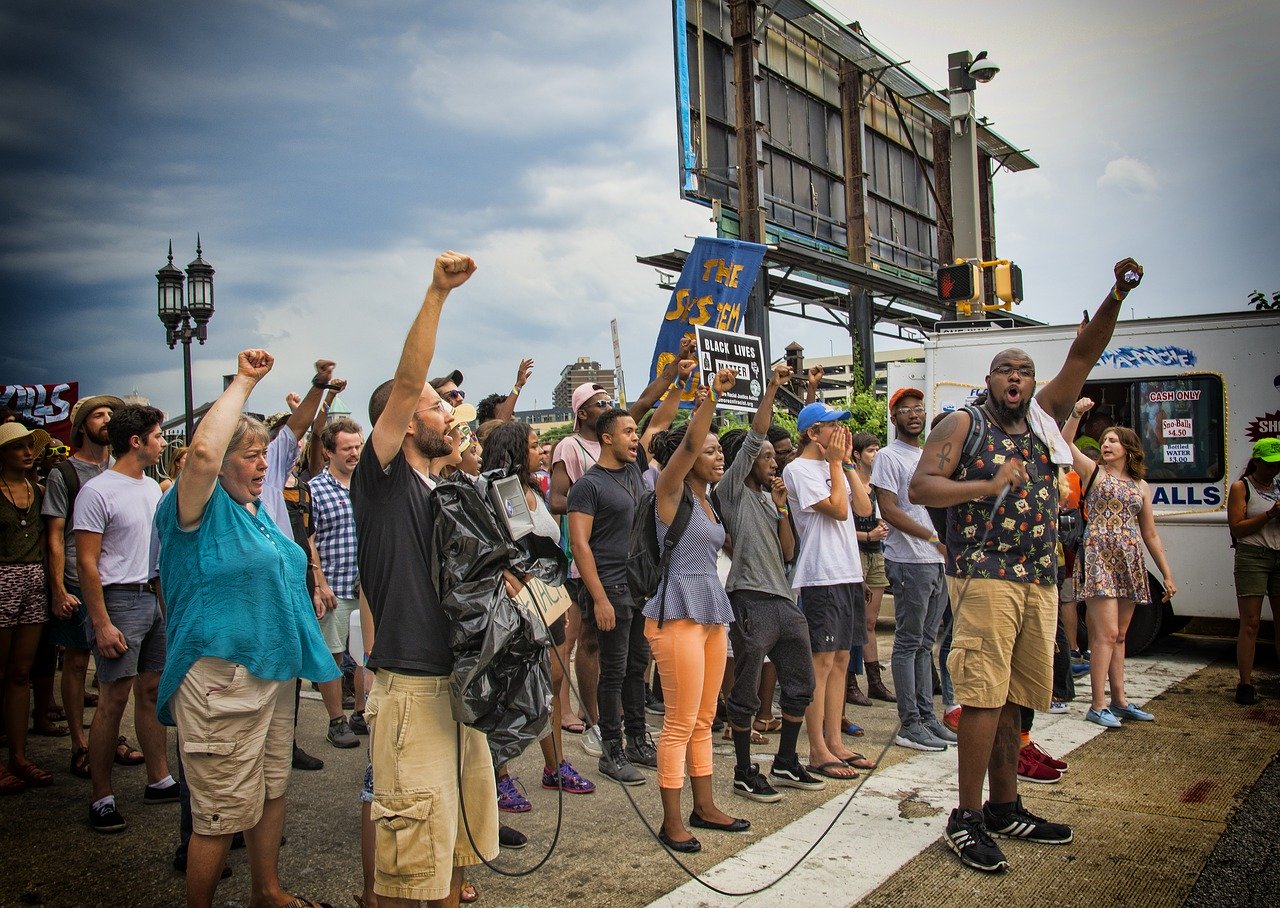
817, 412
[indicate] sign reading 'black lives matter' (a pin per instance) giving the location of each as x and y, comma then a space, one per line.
744, 354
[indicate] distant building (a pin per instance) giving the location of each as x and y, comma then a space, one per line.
545, 418
839, 372
583, 371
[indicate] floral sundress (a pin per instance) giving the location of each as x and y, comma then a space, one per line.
1111, 563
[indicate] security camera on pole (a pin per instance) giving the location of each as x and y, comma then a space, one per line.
961, 283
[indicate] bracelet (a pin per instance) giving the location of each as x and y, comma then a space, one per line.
1117, 296
319, 382
515, 389
784, 511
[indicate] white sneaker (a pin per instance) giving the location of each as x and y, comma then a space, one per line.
1057, 708
591, 742
918, 737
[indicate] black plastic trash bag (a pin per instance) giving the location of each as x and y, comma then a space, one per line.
501, 681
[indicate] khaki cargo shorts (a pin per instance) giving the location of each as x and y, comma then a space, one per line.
1002, 642
419, 831
235, 736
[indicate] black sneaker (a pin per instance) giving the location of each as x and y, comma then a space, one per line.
166, 795
510, 838
641, 751
614, 764
358, 725
1246, 694
793, 775
754, 786
105, 818
653, 704
971, 842
304, 760
1016, 822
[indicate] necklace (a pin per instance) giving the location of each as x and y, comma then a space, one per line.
13, 500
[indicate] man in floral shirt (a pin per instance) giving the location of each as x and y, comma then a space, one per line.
1001, 571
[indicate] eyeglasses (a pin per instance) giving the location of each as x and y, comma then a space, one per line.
911, 411
1007, 369
442, 405
457, 395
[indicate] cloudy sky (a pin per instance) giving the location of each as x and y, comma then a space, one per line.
326, 151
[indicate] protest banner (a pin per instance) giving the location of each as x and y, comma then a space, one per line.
45, 407
712, 292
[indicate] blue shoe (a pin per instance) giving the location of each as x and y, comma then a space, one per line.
1129, 711
1103, 717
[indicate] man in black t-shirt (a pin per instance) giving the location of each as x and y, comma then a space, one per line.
602, 506
414, 739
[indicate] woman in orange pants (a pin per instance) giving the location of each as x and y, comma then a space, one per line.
685, 623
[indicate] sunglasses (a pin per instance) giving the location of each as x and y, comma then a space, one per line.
457, 395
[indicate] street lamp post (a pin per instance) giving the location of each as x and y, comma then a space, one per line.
178, 314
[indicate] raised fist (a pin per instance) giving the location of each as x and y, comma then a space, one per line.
1128, 275
452, 270
254, 364
1083, 406
781, 374
725, 380
815, 375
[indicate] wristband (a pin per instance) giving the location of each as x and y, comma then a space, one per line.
783, 512
1117, 295
515, 389
319, 382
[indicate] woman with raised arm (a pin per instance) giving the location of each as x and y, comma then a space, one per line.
1253, 515
1110, 573
240, 629
686, 621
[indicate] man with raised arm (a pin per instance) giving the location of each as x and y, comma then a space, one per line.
417, 801
1002, 572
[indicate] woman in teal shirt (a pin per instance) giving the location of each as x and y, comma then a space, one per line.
240, 628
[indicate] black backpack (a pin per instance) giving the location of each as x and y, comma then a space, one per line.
646, 564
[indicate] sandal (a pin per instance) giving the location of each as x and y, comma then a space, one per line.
90, 699
575, 727
56, 714
9, 783
300, 902
80, 763
468, 894
49, 730
126, 755
33, 775
767, 726
757, 739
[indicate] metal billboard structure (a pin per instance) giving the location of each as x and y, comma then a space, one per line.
797, 131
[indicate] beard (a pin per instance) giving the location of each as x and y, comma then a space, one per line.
1007, 415
428, 441
100, 437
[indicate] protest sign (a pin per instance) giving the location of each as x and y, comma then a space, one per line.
744, 354
46, 407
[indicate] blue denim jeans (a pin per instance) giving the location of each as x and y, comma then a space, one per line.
919, 596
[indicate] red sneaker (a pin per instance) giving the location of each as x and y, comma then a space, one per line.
951, 718
1052, 762
1032, 770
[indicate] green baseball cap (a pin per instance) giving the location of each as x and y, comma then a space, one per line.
1267, 449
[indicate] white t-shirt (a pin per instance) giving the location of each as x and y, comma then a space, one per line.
828, 547
892, 471
122, 510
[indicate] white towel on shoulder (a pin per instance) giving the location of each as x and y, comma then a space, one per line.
1046, 427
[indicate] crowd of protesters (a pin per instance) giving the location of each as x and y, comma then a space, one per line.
210, 597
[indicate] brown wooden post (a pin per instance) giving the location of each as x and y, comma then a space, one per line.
942, 173
855, 177
746, 77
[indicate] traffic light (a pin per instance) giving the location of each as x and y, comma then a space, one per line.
1008, 281
960, 285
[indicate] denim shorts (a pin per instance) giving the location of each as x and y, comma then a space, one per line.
137, 615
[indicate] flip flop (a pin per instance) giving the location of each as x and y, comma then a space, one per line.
126, 755
468, 894
858, 761
300, 902
80, 763
757, 739
853, 730
767, 726
831, 770
573, 728
56, 714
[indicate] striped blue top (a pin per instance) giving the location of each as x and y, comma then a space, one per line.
695, 589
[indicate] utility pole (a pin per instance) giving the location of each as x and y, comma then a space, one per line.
746, 78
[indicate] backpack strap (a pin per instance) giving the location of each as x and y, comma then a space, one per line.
70, 479
684, 512
977, 432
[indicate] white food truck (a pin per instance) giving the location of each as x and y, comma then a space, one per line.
1198, 390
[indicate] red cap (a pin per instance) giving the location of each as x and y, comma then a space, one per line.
904, 392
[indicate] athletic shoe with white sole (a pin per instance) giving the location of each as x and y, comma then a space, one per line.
793, 775
1032, 770
968, 838
1129, 711
918, 737
1013, 821
1040, 754
754, 786
591, 741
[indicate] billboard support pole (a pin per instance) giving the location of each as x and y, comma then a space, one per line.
746, 77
